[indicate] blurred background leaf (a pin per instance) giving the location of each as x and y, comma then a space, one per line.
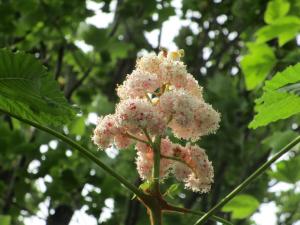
242, 206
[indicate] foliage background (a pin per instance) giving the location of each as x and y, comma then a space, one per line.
231, 48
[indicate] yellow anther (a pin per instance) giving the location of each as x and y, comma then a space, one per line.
176, 55
181, 52
155, 101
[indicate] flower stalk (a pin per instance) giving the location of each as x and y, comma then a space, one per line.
156, 166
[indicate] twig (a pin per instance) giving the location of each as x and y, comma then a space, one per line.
116, 19
133, 209
77, 84
8, 198
60, 55
184, 210
159, 38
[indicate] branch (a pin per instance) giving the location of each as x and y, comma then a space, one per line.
132, 216
77, 84
184, 210
133, 209
8, 119
159, 38
116, 20
60, 56
9, 195
245, 183
84, 151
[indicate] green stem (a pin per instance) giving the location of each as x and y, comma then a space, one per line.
156, 162
87, 153
148, 136
155, 210
156, 165
242, 186
184, 210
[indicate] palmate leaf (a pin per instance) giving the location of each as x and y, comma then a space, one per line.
257, 64
27, 90
242, 206
285, 29
279, 139
280, 99
275, 10
287, 170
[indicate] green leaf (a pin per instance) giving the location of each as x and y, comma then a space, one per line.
287, 170
133, 197
289, 76
275, 10
280, 139
172, 190
285, 29
120, 49
29, 91
165, 13
257, 64
78, 126
278, 101
242, 206
5, 220
92, 35
145, 186
288, 203
292, 57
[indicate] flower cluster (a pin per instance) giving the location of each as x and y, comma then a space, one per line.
189, 164
158, 95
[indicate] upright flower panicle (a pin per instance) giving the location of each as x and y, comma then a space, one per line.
161, 94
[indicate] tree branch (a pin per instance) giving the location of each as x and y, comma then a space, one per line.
116, 19
60, 55
69, 91
184, 210
133, 208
